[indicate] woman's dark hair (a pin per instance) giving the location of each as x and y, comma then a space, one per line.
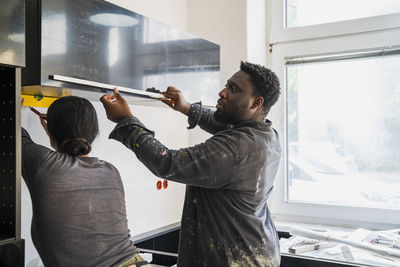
265, 81
72, 122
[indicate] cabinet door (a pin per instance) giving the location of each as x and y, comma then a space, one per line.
12, 32
101, 42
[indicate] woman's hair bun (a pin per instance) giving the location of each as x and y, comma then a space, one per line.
73, 125
75, 147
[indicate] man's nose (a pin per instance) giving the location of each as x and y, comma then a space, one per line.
222, 93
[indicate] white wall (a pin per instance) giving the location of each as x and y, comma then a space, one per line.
256, 31
238, 26
222, 22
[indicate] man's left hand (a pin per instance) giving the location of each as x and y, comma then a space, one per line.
116, 106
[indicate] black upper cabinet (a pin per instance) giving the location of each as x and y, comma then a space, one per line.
12, 33
104, 43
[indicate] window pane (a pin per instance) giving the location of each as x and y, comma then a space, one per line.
344, 132
310, 12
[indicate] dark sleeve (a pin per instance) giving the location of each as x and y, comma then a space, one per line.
204, 117
210, 164
32, 156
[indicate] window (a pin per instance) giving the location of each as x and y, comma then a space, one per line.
343, 132
338, 115
311, 19
310, 12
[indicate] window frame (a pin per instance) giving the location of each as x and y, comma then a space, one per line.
304, 43
370, 24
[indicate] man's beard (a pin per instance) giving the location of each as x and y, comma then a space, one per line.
221, 117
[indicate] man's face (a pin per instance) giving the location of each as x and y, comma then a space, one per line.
236, 100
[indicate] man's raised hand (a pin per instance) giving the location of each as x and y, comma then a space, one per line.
174, 99
116, 106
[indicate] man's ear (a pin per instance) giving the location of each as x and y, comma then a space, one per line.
258, 102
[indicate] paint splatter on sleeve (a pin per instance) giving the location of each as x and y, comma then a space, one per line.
210, 164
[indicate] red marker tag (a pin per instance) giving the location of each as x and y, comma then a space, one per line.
159, 185
165, 184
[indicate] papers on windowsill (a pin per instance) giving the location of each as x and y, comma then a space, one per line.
360, 246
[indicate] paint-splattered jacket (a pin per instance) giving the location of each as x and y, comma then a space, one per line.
225, 220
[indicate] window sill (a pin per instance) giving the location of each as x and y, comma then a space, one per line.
321, 257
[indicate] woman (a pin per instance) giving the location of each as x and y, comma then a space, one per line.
79, 216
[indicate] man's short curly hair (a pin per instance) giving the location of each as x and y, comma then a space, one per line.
265, 83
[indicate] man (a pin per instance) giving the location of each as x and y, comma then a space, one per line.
225, 220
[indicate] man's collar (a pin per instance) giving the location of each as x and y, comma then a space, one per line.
255, 124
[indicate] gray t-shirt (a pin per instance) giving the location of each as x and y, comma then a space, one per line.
229, 177
79, 216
